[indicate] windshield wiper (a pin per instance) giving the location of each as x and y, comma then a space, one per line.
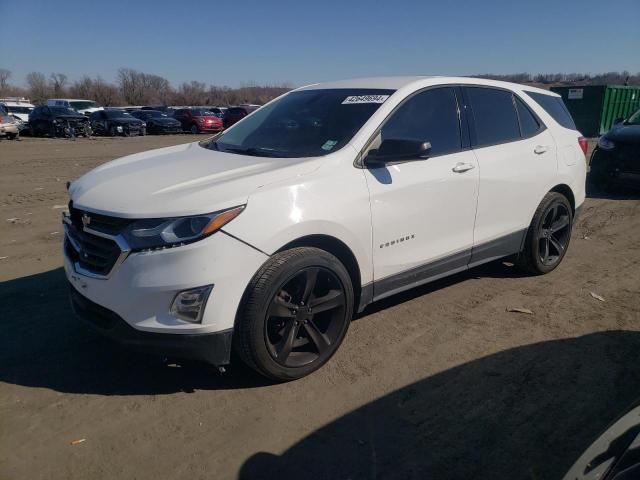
255, 152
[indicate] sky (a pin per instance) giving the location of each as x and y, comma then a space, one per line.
298, 42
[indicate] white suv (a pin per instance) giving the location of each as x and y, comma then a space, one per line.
269, 237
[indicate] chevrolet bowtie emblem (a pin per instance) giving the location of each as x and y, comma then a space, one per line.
86, 219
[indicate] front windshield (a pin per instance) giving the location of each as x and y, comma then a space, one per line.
62, 111
303, 124
83, 105
117, 114
634, 119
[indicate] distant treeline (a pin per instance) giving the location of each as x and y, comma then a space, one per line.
580, 79
138, 88
135, 88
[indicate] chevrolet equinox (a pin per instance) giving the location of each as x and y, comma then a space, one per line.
267, 238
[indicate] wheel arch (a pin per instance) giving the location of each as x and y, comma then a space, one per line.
565, 190
337, 248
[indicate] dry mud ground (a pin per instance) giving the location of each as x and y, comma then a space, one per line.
441, 382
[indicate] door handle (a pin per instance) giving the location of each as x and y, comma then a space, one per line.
462, 167
540, 149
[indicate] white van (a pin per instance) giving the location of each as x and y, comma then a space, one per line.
81, 106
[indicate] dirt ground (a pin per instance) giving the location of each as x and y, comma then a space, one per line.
440, 382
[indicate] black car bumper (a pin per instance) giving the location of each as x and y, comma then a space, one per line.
213, 348
164, 128
621, 164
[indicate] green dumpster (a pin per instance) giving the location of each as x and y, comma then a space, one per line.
594, 108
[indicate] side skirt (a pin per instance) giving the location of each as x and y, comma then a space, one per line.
458, 262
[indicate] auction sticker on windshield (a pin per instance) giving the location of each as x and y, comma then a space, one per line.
365, 99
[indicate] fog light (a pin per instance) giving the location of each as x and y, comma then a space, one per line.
189, 304
119, 128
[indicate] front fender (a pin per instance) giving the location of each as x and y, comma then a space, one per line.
334, 201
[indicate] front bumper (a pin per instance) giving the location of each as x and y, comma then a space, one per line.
210, 128
622, 164
141, 287
213, 348
9, 128
164, 128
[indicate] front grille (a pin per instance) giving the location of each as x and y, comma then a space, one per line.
91, 252
629, 156
101, 223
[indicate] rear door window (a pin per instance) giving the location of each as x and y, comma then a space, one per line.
429, 116
493, 115
555, 107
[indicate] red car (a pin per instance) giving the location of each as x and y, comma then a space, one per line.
198, 120
235, 114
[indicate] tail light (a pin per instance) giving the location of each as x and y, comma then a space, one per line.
584, 145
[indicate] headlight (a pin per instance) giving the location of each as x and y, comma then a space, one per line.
605, 144
143, 124
169, 232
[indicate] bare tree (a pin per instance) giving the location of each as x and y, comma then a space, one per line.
58, 82
38, 88
4, 80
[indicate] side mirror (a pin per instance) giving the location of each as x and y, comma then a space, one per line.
399, 150
618, 120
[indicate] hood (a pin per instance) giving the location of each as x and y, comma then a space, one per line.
178, 181
126, 120
624, 133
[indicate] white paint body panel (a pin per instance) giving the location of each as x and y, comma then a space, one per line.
427, 201
287, 199
513, 180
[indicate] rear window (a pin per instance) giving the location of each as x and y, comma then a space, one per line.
494, 116
555, 107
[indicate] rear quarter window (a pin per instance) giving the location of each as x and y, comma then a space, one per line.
555, 107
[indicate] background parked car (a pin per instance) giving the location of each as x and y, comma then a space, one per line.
158, 122
235, 114
115, 122
217, 111
198, 120
616, 158
8, 126
161, 108
58, 121
18, 107
81, 106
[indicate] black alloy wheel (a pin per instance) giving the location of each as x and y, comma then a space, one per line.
548, 236
554, 233
305, 318
295, 313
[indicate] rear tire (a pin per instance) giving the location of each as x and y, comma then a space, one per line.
548, 235
195, 129
295, 313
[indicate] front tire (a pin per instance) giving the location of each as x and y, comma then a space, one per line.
548, 235
195, 129
295, 313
